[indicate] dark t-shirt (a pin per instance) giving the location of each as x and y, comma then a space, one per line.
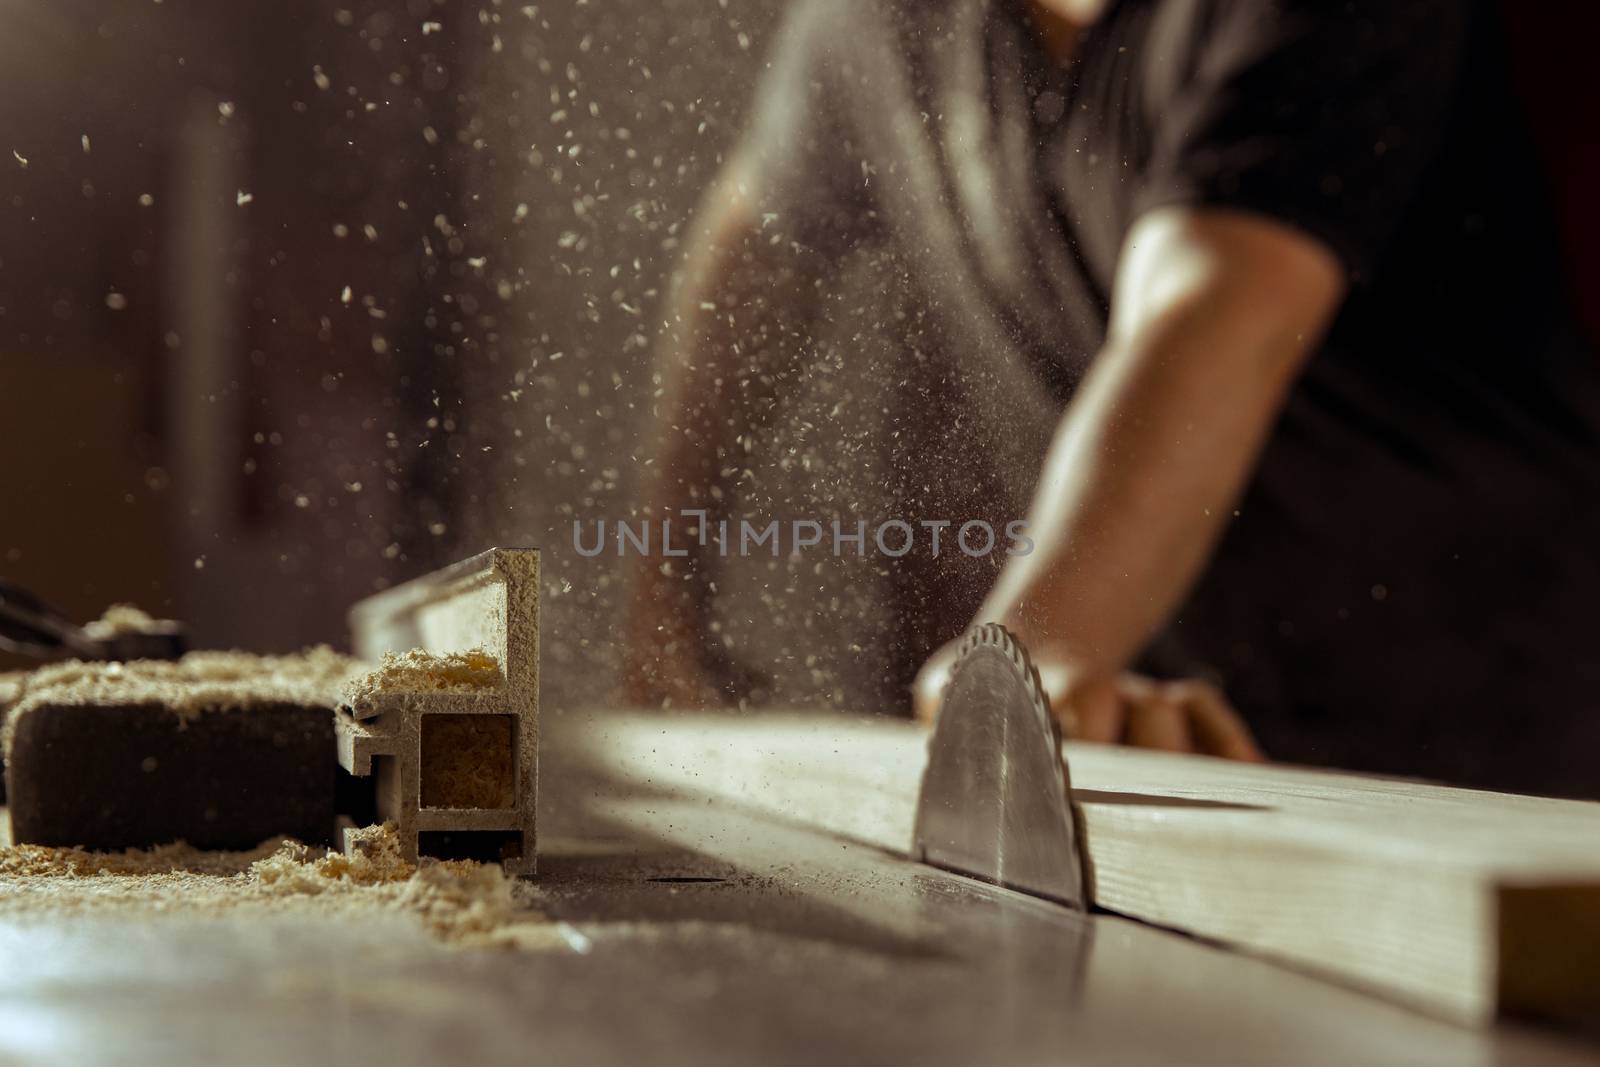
1412, 582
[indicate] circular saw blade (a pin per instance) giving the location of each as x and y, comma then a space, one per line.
995, 802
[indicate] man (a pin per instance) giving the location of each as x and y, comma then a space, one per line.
1330, 442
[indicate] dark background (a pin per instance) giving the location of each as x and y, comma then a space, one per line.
192, 416
195, 417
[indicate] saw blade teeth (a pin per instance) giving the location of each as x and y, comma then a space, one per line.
990, 697
996, 635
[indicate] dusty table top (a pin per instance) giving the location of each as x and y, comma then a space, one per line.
682, 933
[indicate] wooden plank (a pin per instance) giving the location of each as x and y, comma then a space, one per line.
1463, 903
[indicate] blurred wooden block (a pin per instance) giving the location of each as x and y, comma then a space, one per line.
10, 690
110, 776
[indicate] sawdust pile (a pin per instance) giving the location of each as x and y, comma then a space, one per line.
120, 620
458, 901
191, 686
10, 687
467, 762
419, 671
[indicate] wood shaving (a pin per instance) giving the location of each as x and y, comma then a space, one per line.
419, 671
457, 901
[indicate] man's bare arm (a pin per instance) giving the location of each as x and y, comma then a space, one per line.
735, 325
1213, 315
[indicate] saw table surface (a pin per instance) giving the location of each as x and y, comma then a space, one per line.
694, 934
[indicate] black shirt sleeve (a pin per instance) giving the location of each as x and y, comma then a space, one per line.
1323, 115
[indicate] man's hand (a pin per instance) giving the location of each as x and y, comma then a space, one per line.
1188, 716
674, 655
734, 330
663, 663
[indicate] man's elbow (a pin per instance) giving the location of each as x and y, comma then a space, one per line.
1255, 287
